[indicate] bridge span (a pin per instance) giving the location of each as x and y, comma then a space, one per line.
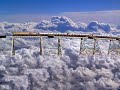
95, 48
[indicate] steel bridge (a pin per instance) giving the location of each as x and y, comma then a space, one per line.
95, 48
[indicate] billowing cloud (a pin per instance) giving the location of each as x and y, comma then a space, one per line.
57, 23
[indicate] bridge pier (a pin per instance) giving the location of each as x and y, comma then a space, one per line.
119, 46
13, 49
110, 49
96, 47
81, 46
59, 47
1, 43
114, 49
41, 49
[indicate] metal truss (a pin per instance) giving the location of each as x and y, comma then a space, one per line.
95, 48
83, 49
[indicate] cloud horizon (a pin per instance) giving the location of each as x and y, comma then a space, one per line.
86, 17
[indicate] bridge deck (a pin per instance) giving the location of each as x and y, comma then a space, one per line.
61, 35
90, 36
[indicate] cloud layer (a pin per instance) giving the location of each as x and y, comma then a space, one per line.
58, 23
71, 71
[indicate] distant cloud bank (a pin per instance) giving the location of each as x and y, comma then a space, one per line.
112, 17
61, 24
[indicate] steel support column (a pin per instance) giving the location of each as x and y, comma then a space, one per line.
94, 47
1, 43
110, 43
59, 47
81, 46
13, 49
118, 46
41, 49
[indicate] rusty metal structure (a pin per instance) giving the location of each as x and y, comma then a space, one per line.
96, 38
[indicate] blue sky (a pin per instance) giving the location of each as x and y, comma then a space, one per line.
9, 7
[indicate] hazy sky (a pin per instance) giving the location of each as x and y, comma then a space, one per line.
37, 10
9, 7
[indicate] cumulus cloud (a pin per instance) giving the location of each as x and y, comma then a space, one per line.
57, 23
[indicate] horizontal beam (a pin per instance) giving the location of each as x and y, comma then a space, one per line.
90, 36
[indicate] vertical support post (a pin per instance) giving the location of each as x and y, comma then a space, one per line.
119, 43
81, 45
13, 49
59, 47
109, 47
119, 46
94, 48
41, 50
1, 43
